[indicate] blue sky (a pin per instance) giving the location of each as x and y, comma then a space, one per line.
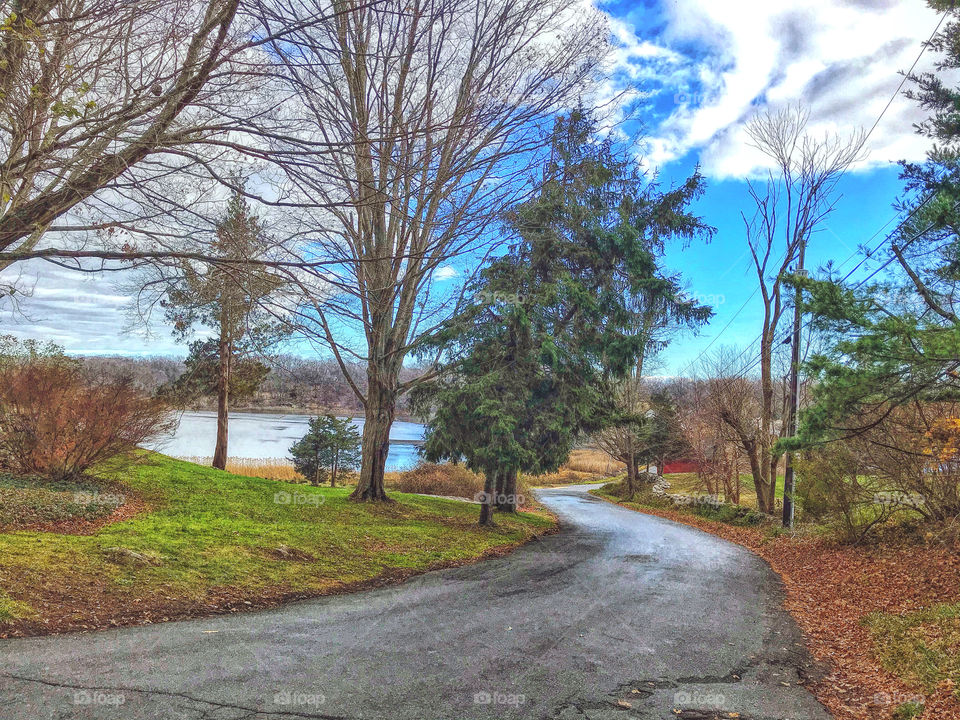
704, 68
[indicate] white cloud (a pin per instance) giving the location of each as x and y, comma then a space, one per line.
445, 272
840, 58
87, 314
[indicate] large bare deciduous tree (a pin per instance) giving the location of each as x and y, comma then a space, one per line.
436, 110
793, 203
90, 90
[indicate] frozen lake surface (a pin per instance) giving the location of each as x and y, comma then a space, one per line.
270, 435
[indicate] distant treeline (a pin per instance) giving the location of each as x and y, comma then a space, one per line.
293, 383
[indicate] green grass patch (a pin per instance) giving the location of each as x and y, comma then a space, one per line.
11, 609
922, 647
690, 484
208, 530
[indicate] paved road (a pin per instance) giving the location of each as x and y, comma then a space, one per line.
619, 608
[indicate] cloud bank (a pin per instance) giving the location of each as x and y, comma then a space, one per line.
710, 66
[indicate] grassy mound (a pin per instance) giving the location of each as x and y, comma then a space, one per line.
212, 541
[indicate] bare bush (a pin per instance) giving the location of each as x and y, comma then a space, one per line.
446, 479
439, 479
57, 424
907, 462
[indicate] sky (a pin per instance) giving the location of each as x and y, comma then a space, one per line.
704, 68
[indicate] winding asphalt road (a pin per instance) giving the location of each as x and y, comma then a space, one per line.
620, 615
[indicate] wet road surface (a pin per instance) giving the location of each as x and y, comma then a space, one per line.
620, 615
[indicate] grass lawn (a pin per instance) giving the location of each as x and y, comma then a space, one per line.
212, 541
689, 484
922, 646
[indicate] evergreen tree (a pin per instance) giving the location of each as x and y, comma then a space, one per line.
201, 375
330, 446
554, 319
227, 297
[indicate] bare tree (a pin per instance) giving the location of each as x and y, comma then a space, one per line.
790, 207
711, 444
436, 109
89, 90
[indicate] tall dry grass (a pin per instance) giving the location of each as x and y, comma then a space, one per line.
268, 468
437, 479
585, 465
592, 460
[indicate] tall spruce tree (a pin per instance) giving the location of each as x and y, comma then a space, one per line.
553, 320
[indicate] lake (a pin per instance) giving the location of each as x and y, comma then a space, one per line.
270, 435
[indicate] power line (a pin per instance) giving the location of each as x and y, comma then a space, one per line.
868, 255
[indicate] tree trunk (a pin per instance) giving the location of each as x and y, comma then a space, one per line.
509, 498
489, 489
500, 499
223, 402
333, 470
378, 417
631, 479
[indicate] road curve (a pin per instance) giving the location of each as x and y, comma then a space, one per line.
620, 615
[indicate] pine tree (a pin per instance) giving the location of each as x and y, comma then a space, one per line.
553, 319
897, 341
330, 446
227, 297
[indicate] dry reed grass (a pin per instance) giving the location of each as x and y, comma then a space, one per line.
268, 468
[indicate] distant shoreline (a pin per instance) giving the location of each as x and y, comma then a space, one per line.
314, 411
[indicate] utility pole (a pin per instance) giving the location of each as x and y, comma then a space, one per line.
793, 400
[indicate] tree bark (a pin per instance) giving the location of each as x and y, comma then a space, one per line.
500, 490
223, 402
508, 501
489, 489
378, 417
631, 479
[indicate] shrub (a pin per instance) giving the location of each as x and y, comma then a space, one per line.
56, 423
447, 479
830, 488
439, 479
732, 515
